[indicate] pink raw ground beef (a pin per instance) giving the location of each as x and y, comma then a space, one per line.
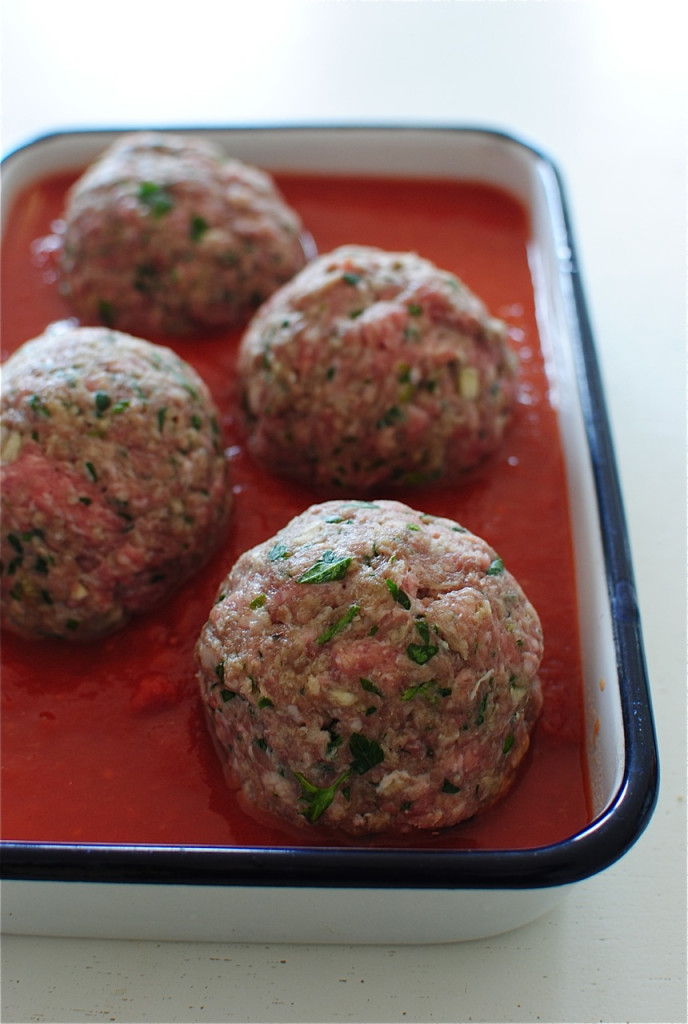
166, 235
371, 668
114, 480
373, 367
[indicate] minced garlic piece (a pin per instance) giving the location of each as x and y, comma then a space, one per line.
11, 445
469, 382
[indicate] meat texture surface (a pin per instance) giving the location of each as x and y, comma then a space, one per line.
114, 480
166, 235
372, 367
371, 668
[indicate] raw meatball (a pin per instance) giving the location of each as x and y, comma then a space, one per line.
165, 235
374, 367
373, 669
114, 480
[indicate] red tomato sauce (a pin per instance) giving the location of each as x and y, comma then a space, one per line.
107, 743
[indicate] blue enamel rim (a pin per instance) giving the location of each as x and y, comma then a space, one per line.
588, 852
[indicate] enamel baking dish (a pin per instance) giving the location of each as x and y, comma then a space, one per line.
381, 895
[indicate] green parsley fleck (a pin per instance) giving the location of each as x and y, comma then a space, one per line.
399, 595
369, 687
318, 799
327, 569
15, 543
155, 198
366, 753
392, 416
339, 625
102, 401
430, 689
422, 653
278, 551
449, 787
38, 406
481, 710
197, 228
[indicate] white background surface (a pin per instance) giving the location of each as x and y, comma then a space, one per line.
601, 87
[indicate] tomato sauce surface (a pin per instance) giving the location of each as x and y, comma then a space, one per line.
107, 743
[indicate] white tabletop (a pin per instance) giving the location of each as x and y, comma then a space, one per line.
601, 87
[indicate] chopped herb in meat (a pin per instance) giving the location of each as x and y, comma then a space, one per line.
197, 228
449, 787
155, 198
339, 625
430, 689
39, 406
422, 653
327, 569
395, 688
392, 416
278, 551
366, 753
316, 798
399, 595
102, 402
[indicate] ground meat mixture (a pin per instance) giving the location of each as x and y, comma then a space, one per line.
166, 235
374, 367
371, 669
114, 480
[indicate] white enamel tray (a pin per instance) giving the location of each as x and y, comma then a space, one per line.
380, 895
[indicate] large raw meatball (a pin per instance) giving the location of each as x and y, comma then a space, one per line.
114, 480
165, 235
373, 669
374, 367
